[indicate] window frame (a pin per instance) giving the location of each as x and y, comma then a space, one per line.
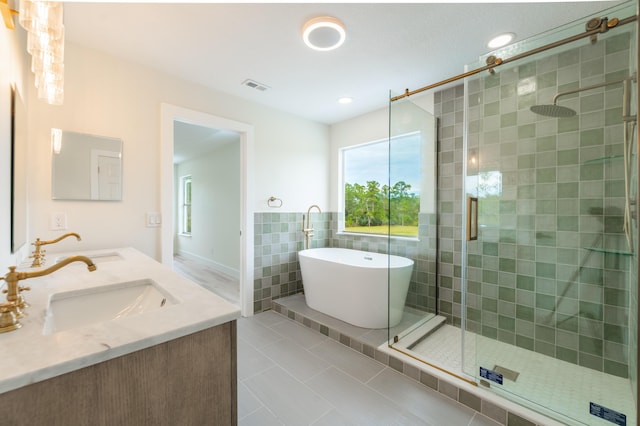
186, 202
342, 187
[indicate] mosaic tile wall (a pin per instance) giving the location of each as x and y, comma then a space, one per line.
530, 282
422, 290
449, 108
278, 237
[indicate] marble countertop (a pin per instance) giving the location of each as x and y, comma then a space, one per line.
29, 356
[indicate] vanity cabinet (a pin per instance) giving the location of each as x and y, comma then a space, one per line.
191, 380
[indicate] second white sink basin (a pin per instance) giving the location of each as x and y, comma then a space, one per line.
77, 308
99, 257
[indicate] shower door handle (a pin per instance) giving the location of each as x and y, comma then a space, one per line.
472, 218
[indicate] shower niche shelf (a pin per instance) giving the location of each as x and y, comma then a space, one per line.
609, 251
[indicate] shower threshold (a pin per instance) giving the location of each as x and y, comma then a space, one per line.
412, 336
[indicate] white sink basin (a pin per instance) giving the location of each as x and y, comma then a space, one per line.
77, 308
98, 258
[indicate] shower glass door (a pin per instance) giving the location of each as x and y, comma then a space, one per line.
551, 270
411, 202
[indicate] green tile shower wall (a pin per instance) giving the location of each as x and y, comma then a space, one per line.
449, 108
530, 282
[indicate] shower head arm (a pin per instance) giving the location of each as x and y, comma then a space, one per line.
593, 86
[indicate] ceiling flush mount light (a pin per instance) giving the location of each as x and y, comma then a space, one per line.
323, 33
345, 100
501, 40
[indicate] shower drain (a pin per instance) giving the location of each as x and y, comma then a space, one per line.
506, 373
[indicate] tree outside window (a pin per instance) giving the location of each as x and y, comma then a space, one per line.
382, 196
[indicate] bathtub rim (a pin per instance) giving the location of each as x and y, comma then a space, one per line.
406, 261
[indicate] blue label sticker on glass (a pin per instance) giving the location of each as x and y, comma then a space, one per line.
607, 414
494, 376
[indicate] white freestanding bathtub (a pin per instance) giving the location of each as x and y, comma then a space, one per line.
353, 285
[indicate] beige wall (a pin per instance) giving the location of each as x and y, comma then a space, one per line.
107, 96
215, 208
13, 70
362, 129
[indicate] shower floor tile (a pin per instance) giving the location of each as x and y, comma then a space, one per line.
558, 385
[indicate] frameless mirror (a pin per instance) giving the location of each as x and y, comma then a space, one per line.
85, 167
18, 171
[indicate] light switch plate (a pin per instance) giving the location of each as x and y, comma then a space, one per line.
154, 219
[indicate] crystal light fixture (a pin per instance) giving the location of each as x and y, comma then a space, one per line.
43, 21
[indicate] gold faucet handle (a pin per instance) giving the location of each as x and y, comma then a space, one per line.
8, 319
37, 254
38, 260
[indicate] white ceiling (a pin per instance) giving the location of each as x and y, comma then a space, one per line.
192, 141
388, 46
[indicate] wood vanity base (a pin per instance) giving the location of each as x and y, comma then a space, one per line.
191, 380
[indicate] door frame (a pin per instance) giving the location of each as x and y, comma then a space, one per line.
95, 170
170, 113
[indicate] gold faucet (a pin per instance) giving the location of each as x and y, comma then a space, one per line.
12, 278
38, 254
308, 230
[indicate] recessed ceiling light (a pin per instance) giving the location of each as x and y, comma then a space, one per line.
501, 40
345, 100
323, 33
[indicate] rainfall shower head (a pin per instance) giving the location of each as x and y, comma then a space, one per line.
553, 111
557, 111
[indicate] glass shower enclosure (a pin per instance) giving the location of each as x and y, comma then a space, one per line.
527, 269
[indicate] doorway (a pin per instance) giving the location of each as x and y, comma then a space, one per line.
174, 119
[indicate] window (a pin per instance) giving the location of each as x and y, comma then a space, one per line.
186, 205
379, 195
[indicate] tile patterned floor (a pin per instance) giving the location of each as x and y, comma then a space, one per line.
289, 374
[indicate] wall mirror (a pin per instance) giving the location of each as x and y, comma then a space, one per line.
18, 171
85, 167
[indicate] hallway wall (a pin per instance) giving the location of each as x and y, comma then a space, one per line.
215, 208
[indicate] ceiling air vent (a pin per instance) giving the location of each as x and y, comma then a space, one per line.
255, 85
